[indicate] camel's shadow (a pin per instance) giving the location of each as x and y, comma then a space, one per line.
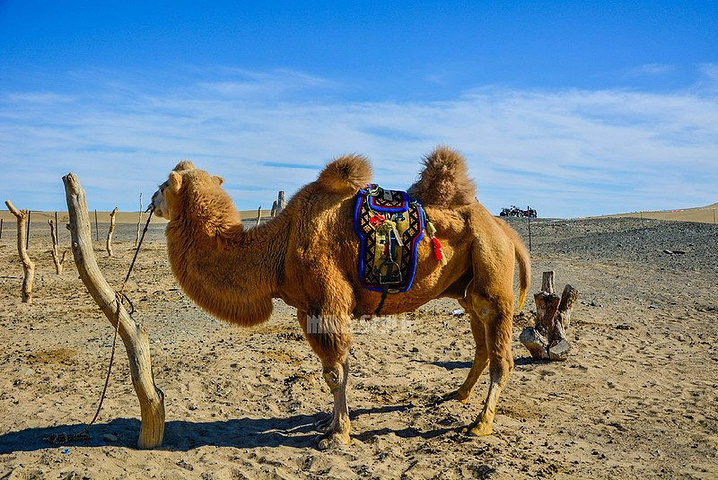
298, 431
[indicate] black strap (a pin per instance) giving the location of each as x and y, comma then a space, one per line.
377, 312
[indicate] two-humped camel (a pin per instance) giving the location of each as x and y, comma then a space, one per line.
308, 255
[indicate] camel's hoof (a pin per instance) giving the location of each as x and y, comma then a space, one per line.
478, 430
332, 440
456, 395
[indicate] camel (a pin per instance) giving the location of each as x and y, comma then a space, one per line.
307, 256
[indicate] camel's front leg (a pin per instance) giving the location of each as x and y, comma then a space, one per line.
330, 339
338, 428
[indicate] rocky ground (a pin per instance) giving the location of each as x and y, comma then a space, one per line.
636, 399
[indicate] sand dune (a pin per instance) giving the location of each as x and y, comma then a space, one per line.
705, 214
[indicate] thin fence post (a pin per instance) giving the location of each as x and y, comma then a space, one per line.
529, 233
57, 230
27, 237
97, 228
139, 221
1, 221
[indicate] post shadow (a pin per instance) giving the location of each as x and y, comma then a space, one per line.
297, 431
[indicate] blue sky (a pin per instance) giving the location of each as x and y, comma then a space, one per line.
576, 108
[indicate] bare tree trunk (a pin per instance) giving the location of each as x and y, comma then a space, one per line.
272, 214
111, 231
27, 265
55, 252
259, 215
134, 336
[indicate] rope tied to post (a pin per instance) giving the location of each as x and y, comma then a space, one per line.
120, 298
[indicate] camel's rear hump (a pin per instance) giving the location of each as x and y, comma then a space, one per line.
444, 181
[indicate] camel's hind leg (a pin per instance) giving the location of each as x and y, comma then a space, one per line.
481, 356
330, 339
496, 314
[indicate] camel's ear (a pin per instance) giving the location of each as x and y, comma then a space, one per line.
218, 179
184, 165
175, 181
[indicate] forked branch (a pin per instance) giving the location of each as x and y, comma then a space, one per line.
57, 259
28, 266
133, 336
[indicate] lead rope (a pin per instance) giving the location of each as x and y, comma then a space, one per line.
62, 438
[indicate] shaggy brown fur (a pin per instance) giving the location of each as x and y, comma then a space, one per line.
444, 181
307, 256
346, 174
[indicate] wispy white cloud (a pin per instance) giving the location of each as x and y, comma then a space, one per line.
247, 84
565, 152
651, 69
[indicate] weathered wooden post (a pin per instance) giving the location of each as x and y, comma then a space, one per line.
28, 266
1, 222
259, 215
55, 251
274, 209
134, 336
281, 203
547, 339
111, 231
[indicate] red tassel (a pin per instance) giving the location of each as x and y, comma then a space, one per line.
438, 255
376, 220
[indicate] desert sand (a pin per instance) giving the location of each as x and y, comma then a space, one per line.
637, 398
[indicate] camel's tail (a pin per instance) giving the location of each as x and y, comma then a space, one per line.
523, 259
346, 174
444, 181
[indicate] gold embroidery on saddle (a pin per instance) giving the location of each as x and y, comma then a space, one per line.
389, 224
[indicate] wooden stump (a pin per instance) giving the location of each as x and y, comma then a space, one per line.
113, 213
58, 260
547, 339
281, 203
134, 336
28, 266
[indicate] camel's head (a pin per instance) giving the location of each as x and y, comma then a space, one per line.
167, 197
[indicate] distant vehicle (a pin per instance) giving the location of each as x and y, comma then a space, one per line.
514, 211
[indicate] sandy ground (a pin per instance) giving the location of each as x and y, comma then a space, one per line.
638, 397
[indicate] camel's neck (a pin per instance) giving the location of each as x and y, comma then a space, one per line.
231, 272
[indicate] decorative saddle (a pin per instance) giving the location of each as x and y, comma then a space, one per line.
389, 224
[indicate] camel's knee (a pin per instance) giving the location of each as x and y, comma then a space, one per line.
334, 376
